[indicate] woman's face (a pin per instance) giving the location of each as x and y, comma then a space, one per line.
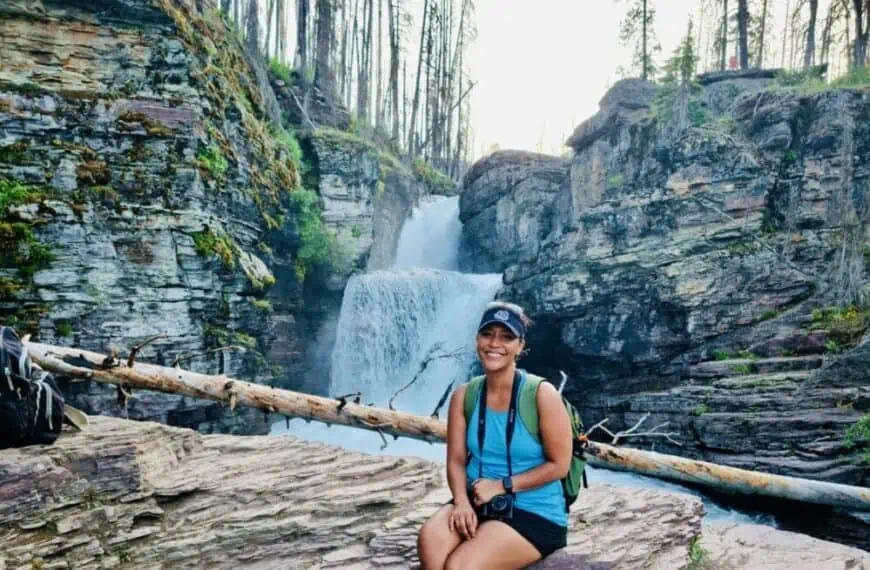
497, 347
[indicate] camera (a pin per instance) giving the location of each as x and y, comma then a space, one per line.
499, 507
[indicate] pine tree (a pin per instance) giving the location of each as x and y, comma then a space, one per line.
638, 27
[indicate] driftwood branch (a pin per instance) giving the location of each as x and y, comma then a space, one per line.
720, 478
632, 431
430, 357
135, 350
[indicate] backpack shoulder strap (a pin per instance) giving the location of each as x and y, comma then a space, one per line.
472, 391
528, 404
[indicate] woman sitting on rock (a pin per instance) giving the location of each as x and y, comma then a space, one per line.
508, 507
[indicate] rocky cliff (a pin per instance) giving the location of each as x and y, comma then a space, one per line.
697, 258
148, 185
142, 495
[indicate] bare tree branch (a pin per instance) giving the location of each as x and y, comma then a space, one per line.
431, 356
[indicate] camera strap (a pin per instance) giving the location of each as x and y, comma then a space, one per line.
509, 429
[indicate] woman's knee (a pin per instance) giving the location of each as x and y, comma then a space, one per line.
461, 559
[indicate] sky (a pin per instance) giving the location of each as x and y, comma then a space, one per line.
542, 66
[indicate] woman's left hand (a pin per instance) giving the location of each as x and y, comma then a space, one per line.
485, 489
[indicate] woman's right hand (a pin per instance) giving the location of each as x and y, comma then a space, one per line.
463, 520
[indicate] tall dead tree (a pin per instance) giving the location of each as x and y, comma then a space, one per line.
810, 44
323, 77
723, 38
300, 61
416, 103
861, 11
743, 32
393, 8
759, 62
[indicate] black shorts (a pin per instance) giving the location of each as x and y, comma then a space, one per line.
545, 535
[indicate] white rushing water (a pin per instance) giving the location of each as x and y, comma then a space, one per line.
392, 320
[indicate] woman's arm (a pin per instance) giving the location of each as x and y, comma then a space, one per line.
556, 439
456, 449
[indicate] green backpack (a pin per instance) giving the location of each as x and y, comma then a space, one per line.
527, 406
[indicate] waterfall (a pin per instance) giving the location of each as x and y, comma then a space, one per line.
420, 309
392, 321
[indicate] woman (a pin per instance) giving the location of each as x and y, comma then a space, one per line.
464, 535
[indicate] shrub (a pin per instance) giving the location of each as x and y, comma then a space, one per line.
858, 436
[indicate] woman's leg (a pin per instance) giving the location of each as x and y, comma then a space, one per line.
496, 546
435, 541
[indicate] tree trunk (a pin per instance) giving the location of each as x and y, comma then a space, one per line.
416, 102
322, 73
362, 93
810, 51
269, 18
253, 26
723, 54
860, 35
281, 40
71, 362
743, 32
301, 59
644, 71
760, 60
393, 13
785, 33
225, 6
379, 79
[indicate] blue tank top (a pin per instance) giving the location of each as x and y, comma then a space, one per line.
547, 500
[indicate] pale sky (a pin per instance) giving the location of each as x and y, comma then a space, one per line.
542, 66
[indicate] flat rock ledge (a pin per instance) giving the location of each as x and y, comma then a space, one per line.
143, 495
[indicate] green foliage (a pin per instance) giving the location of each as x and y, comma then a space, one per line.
700, 410
212, 160
680, 67
769, 314
809, 82
20, 248
720, 354
13, 192
208, 243
699, 557
262, 304
858, 437
288, 140
632, 30
280, 70
64, 329
741, 368
434, 180
355, 231
845, 325
614, 182
318, 245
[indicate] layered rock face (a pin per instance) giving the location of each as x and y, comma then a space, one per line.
146, 189
678, 235
142, 495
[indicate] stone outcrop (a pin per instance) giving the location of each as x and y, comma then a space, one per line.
726, 229
161, 197
142, 495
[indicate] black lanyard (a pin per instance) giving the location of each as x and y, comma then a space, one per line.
509, 430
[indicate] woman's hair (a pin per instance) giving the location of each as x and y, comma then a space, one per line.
513, 308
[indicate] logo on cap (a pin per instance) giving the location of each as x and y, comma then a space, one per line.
502, 315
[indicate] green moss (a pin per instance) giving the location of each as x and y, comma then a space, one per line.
64, 329
335, 137
208, 243
15, 153
858, 437
219, 336
280, 70
262, 304
152, 126
740, 368
810, 82
845, 325
93, 173
435, 181
318, 245
9, 287
212, 160
614, 182
26, 88
13, 192
720, 354
700, 410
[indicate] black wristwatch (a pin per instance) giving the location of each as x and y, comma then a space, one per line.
508, 484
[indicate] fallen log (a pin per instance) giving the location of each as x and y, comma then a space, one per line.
76, 363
